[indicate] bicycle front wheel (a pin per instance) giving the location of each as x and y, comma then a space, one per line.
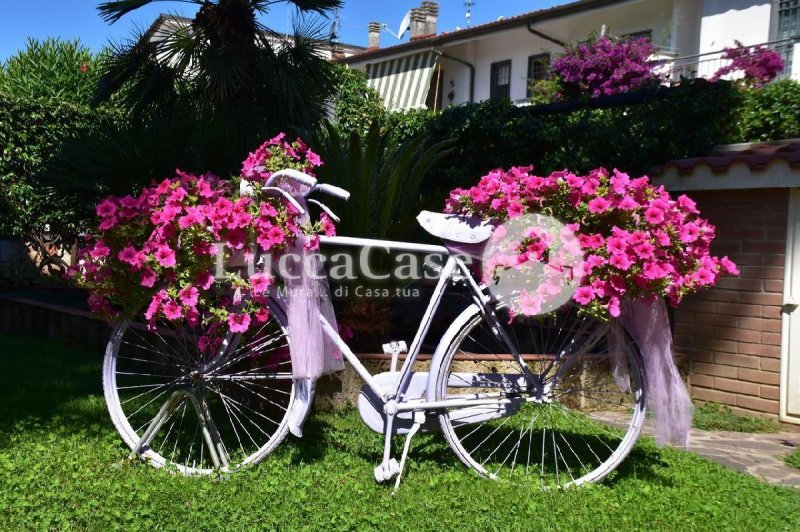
199, 411
549, 415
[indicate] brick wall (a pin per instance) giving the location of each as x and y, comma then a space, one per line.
732, 333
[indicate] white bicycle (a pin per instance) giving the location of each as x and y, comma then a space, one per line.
528, 399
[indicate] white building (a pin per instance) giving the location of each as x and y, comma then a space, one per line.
499, 58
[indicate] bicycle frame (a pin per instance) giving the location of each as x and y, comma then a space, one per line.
454, 264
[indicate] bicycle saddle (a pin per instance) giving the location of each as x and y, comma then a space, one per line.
456, 227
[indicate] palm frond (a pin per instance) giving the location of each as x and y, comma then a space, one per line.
309, 6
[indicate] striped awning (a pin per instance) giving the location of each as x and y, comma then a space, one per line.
403, 83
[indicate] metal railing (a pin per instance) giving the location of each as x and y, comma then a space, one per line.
705, 65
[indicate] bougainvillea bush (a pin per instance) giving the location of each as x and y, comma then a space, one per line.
606, 66
636, 241
758, 65
157, 252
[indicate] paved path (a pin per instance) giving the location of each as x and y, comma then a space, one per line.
758, 454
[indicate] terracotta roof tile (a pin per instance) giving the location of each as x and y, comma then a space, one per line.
756, 156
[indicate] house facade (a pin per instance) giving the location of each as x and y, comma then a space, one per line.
499, 59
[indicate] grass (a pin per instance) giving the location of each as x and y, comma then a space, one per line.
794, 458
63, 466
712, 416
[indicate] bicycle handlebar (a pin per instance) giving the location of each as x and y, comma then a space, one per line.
334, 191
271, 185
300, 177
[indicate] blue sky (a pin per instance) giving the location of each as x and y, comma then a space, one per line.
70, 19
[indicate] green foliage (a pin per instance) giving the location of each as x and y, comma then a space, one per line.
62, 466
793, 459
544, 91
24, 275
659, 125
226, 59
31, 133
355, 105
401, 126
53, 69
771, 112
383, 176
712, 416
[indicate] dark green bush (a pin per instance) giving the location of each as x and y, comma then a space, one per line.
635, 132
32, 131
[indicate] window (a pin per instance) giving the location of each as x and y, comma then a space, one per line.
788, 19
538, 68
785, 25
501, 80
646, 34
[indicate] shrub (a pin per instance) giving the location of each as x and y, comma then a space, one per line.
606, 66
771, 112
53, 69
636, 133
355, 104
758, 64
31, 132
401, 126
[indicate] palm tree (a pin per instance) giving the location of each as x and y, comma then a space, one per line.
224, 61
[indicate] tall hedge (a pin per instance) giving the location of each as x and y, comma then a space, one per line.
32, 131
633, 132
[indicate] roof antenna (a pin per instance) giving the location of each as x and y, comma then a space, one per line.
469, 4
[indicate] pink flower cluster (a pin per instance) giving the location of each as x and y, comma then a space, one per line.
278, 154
636, 240
758, 64
156, 253
605, 66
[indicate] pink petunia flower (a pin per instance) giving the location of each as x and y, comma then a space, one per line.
654, 215
599, 205
204, 280
238, 323
149, 277
260, 283
262, 315
584, 295
728, 266
100, 250
172, 311
106, 208
189, 296
165, 256
620, 261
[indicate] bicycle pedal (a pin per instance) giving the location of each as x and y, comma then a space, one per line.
386, 470
394, 349
397, 346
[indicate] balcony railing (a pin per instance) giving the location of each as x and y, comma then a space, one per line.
705, 65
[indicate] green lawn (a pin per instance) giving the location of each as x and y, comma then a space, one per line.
62, 465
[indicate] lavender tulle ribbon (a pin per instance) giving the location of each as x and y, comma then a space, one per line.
667, 397
307, 297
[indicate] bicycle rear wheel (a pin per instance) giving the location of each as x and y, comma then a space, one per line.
562, 419
199, 412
